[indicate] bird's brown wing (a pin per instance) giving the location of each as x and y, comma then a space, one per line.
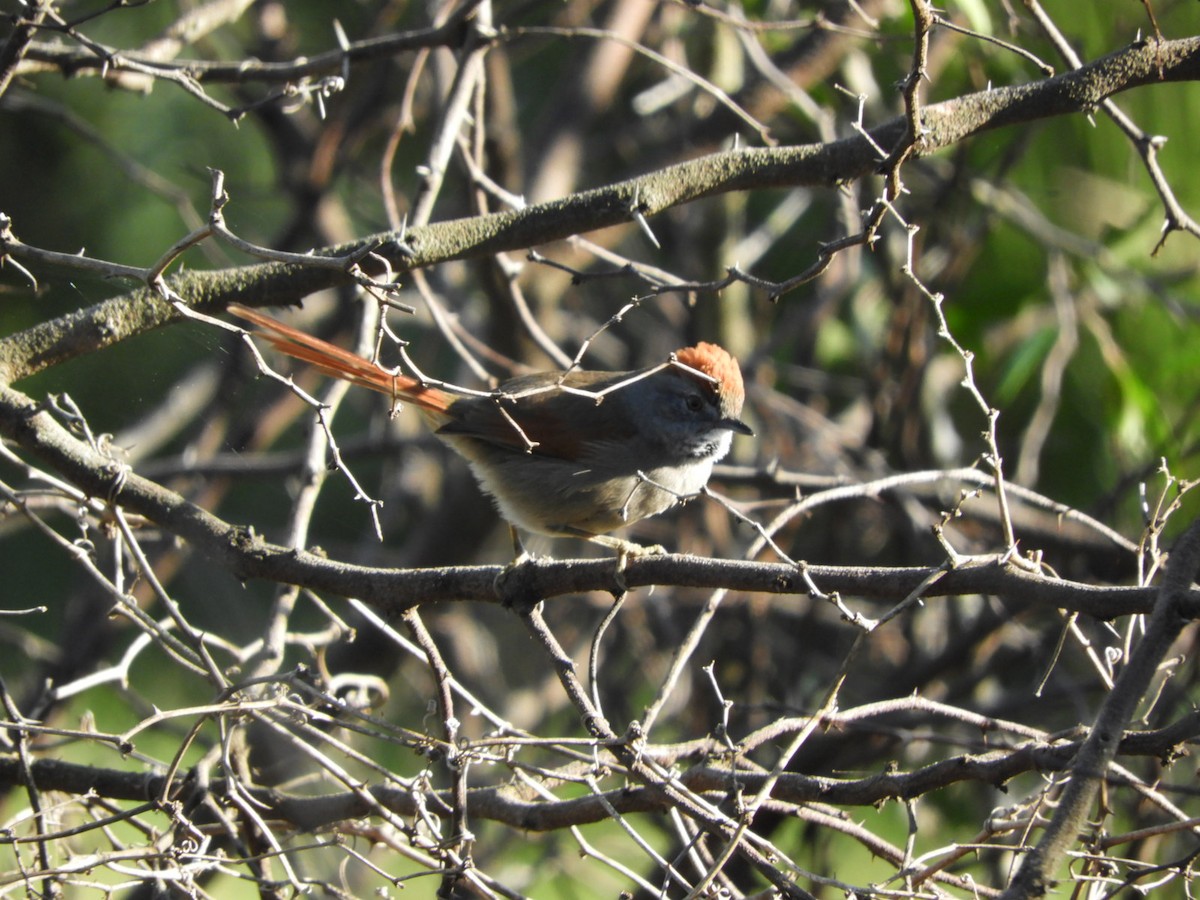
544, 415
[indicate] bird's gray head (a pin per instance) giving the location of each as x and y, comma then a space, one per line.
696, 403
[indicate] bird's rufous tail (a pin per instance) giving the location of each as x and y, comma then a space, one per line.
342, 364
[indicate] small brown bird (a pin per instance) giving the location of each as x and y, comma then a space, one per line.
575, 454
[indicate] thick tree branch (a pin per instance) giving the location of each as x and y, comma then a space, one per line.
946, 124
111, 61
246, 556
510, 806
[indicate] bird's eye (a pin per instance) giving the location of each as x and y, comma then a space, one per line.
694, 402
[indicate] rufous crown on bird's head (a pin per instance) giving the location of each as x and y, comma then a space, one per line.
717, 364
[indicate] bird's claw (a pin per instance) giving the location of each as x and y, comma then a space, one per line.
626, 550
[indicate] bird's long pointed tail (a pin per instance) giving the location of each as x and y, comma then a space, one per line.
339, 363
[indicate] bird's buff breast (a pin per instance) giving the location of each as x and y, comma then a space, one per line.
561, 498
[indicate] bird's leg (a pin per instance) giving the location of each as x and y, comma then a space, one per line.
520, 554
500, 584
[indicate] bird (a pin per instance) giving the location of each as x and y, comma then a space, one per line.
567, 454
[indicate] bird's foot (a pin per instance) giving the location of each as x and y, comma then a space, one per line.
625, 550
511, 583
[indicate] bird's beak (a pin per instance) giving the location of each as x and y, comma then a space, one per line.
737, 425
